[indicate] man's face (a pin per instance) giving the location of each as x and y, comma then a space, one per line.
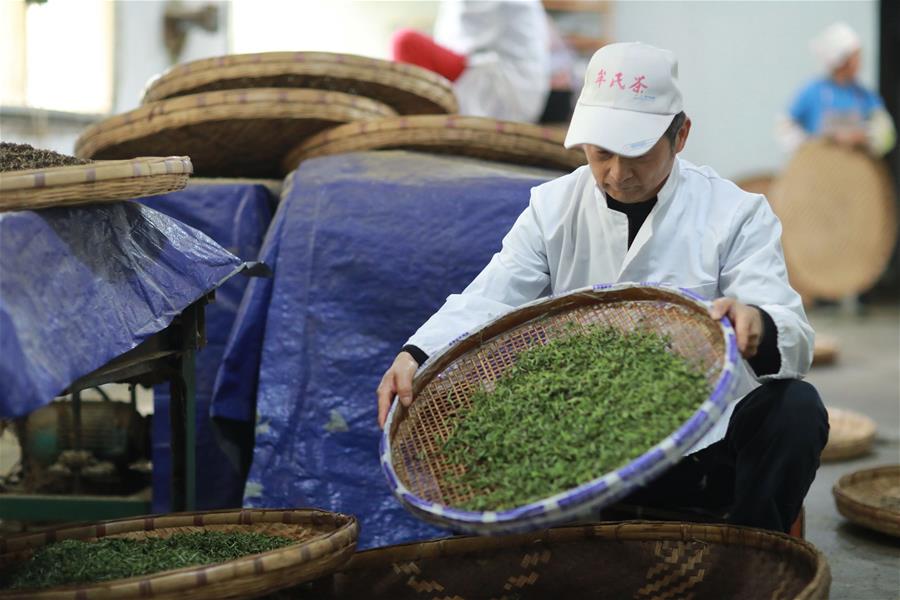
635, 179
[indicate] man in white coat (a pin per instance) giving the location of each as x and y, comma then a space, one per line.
637, 212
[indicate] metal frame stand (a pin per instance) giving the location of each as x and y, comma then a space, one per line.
166, 356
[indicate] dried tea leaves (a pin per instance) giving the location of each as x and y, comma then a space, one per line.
570, 411
20, 157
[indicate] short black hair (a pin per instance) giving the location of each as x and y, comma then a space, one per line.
672, 132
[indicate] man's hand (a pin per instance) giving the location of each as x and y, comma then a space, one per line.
396, 380
747, 321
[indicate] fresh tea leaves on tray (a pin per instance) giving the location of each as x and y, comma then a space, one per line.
571, 411
76, 561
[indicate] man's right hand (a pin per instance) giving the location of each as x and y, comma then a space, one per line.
396, 381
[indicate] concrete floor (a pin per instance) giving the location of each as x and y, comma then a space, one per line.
866, 378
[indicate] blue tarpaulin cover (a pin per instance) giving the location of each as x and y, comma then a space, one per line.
81, 285
365, 247
236, 215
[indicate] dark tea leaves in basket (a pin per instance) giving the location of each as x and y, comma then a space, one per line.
75, 561
570, 411
18, 157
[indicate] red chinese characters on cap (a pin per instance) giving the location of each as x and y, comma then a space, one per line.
618, 81
637, 86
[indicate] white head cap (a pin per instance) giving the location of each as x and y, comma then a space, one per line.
629, 98
834, 45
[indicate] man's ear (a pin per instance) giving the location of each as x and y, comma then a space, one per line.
682, 136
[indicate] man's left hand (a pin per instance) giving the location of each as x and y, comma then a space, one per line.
747, 321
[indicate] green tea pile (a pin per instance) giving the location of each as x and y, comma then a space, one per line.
76, 561
570, 411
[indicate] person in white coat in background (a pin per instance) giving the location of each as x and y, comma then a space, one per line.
637, 212
837, 106
496, 53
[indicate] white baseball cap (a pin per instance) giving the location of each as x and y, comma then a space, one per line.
629, 99
834, 45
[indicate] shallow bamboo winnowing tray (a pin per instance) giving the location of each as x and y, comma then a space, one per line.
838, 215
407, 89
477, 137
100, 181
871, 498
231, 133
423, 481
851, 434
322, 542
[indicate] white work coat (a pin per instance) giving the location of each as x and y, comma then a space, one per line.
704, 234
507, 50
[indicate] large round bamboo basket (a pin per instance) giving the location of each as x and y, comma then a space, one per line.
605, 560
233, 133
407, 89
871, 498
839, 219
411, 455
101, 181
323, 541
851, 435
479, 137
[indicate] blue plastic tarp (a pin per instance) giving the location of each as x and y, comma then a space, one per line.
365, 247
81, 285
235, 215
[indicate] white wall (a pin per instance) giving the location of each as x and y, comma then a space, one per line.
140, 53
352, 26
740, 64
140, 49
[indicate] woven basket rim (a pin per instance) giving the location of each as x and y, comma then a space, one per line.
845, 447
794, 200
428, 85
444, 129
101, 170
344, 535
852, 508
252, 103
592, 494
631, 530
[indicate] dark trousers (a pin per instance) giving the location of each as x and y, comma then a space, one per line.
760, 472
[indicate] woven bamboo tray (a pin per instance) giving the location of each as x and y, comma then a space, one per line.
632, 560
102, 181
825, 350
410, 455
851, 435
839, 219
233, 133
479, 137
324, 541
871, 498
408, 89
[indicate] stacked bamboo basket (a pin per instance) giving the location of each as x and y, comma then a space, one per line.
260, 115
